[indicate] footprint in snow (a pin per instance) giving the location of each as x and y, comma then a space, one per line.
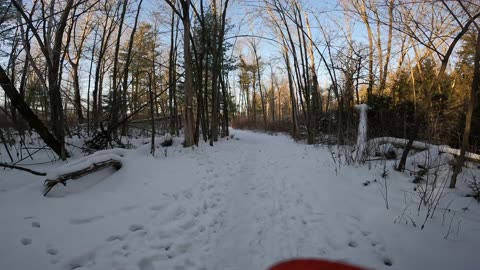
26, 241
112, 238
353, 244
52, 251
366, 233
135, 227
387, 261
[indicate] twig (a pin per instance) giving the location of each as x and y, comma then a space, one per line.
22, 169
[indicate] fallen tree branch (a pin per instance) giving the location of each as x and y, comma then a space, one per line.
420, 146
62, 179
22, 169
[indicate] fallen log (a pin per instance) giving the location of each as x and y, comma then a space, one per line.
84, 166
420, 146
62, 179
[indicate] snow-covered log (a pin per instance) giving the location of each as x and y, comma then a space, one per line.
421, 146
84, 166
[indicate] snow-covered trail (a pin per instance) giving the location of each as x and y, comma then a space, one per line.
253, 206
274, 213
243, 204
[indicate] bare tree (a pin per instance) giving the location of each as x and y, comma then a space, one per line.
51, 47
75, 55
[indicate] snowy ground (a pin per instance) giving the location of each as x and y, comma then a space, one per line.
242, 204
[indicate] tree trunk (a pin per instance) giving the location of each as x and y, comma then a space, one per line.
468, 119
126, 70
89, 82
226, 100
115, 89
292, 94
171, 74
77, 98
262, 97
215, 75
189, 121
152, 113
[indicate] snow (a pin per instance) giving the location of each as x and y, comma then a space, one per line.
362, 133
242, 204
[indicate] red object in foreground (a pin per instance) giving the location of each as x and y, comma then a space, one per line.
313, 264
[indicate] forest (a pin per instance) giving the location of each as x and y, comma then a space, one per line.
255, 112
